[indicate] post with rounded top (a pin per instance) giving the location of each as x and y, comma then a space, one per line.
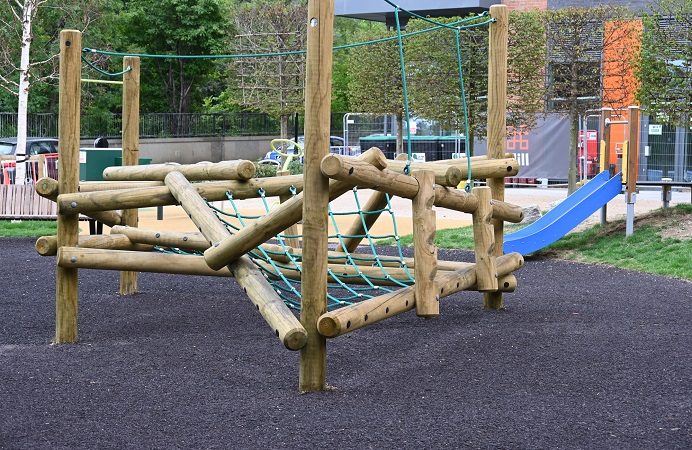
606, 114
632, 156
66, 293
130, 217
497, 122
313, 356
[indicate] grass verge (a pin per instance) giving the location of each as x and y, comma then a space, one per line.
28, 228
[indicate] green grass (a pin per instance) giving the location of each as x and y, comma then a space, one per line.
28, 228
646, 250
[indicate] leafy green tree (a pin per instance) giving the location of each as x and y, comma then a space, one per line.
664, 72
176, 28
585, 46
374, 72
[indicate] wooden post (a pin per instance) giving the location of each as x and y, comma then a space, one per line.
633, 151
606, 114
130, 144
497, 122
293, 229
424, 250
632, 157
313, 357
66, 293
484, 241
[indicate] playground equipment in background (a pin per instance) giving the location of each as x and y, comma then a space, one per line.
277, 154
326, 176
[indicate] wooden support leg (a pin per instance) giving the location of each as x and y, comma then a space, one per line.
425, 252
282, 321
484, 241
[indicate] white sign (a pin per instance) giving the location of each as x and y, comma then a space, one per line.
656, 129
418, 157
412, 126
82, 157
458, 155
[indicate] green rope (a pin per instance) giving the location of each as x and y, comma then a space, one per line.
469, 179
102, 72
407, 167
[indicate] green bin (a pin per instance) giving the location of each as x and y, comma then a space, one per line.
92, 162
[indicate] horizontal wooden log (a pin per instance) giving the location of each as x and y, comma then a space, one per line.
272, 308
224, 170
48, 188
91, 186
462, 161
85, 202
488, 168
445, 175
363, 175
353, 317
48, 245
278, 219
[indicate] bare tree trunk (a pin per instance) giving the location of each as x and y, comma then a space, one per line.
400, 135
28, 12
284, 119
572, 172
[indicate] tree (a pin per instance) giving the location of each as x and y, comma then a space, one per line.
586, 47
22, 68
374, 72
177, 28
270, 84
664, 72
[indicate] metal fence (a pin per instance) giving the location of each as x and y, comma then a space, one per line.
162, 125
666, 153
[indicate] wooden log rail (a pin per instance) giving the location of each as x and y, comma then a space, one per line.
147, 197
456, 169
353, 317
224, 170
272, 308
278, 219
364, 175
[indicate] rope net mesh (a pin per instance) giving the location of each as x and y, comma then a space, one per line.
353, 276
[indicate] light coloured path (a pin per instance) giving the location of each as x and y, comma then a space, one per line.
175, 219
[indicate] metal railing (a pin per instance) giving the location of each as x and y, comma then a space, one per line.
160, 125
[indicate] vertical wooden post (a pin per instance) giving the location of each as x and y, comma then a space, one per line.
632, 151
66, 293
293, 229
606, 114
313, 356
632, 157
424, 250
484, 241
497, 122
130, 217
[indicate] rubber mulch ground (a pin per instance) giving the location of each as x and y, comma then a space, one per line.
585, 356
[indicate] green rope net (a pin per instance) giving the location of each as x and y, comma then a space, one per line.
348, 282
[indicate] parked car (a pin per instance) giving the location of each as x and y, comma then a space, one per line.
34, 146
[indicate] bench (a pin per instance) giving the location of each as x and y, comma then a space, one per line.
666, 187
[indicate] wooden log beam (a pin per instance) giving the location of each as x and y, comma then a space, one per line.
445, 174
424, 249
363, 175
293, 229
353, 317
181, 240
86, 202
489, 168
48, 188
48, 245
272, 308
484, 241
224, 170
276, 220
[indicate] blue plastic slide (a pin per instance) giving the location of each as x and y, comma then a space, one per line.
564, 217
